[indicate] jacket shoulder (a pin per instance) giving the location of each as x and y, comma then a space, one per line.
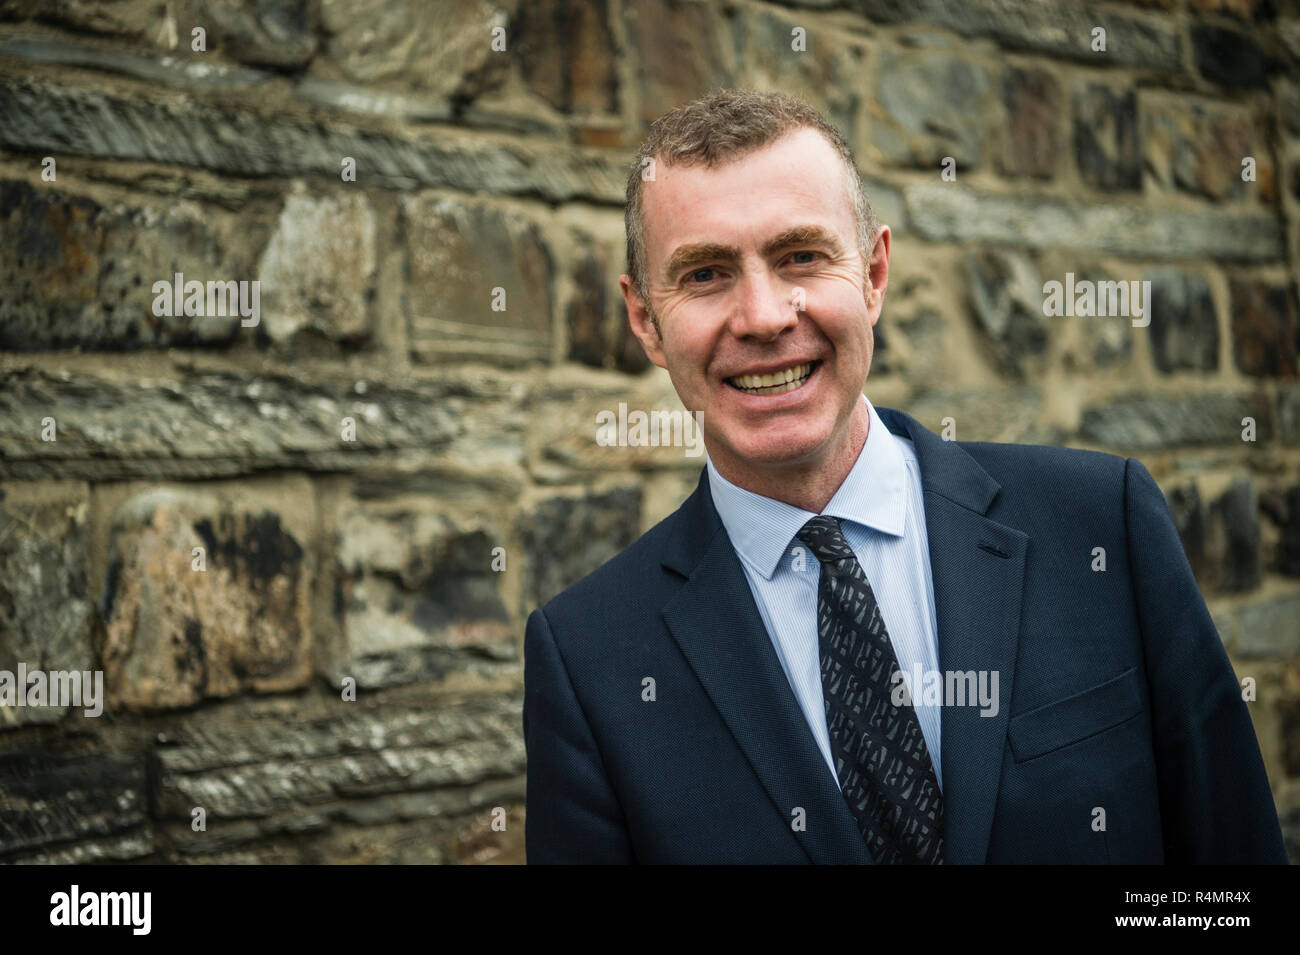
1068, 481
1047, 458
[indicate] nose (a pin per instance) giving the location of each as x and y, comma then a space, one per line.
763, 307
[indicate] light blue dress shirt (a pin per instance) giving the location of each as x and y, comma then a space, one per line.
883, 516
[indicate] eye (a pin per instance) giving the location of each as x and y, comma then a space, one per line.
809, 252
694, 277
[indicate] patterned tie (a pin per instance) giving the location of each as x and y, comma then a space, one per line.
881, 758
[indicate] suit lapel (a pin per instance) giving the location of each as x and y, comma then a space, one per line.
978, 568
717, 626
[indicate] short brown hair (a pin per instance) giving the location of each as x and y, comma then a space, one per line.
724, 127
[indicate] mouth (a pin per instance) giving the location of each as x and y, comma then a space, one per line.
777, 383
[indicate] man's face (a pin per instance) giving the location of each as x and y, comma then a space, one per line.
731, 251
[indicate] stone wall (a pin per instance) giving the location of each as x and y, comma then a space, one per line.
363, 494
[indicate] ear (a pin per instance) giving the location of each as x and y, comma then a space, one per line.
877, 274
638, 316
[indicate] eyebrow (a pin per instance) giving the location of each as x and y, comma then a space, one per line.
687, 256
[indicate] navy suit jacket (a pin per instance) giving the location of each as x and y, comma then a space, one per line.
1115, 691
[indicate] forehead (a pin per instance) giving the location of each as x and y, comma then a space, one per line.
799, 177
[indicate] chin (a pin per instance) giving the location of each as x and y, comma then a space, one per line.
771, 449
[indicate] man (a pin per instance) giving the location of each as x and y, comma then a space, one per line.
857, 642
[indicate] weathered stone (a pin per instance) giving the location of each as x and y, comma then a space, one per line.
1106, 138
979, 414
318, 269
215, 425
418, 597
1228, 57
133, 846
586, 312
567, 538
574, 424
259, 789
1006, 297
1113, 345
1241, 9
45, 606
51, 799
1265, 333
1110, 336
270, 769
442, 50
1288, 34
333, 94
1283, 508
1147, 422
182, 626
1232, 539
270, 738
1198, 149
35, 114
226, 834
375, 814
588, 317
275, 33
1044, 26
882, 357
1184, 327
630, 357
1289, 100
679, 51
932, 103
947, 212
1269, 629
129, 20
1288, 709
480, 282
821, 67
451, 484
924, 331
1289, 816
886, 203
598, 335
1032, 141
197, 72
1288, 415
566, 53
479, 841
1189, 520
81, 275
508, 114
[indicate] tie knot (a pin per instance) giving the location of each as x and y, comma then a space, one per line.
825, 539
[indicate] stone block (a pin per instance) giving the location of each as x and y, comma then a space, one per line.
480, 282
46, 612
1138, 422
418, 596
205, 597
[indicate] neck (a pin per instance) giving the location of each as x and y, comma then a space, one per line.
808, 484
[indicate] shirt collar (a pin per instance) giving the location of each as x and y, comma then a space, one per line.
873, 495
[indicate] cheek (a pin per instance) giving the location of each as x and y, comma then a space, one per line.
691, 347
846, 321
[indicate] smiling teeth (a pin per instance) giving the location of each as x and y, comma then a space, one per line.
774, 384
